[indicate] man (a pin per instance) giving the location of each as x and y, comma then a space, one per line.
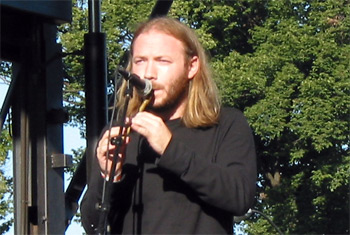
189, 165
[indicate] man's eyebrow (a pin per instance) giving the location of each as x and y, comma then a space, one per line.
139, 57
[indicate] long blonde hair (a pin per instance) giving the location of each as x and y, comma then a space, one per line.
203, 105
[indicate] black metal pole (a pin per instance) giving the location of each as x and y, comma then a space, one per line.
74, 191
94, 7
107, 188
8, 99
95, 81
161, 8
95, 68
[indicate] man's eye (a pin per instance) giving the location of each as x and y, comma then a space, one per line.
164, 61
138, 61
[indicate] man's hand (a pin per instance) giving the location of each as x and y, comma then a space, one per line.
105, 147
153, 129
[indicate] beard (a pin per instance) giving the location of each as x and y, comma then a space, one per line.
177, 94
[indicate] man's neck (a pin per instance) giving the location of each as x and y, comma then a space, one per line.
170, 113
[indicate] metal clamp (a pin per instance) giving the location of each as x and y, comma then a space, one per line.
60, 160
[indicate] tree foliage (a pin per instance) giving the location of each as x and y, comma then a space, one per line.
6, 189
5, 184
294, 89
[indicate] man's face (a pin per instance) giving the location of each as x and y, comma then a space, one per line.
161, 59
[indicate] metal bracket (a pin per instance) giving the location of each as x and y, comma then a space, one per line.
60, 160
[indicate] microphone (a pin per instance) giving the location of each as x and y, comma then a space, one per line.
143, 86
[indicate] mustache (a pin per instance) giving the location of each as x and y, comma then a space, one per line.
156, 86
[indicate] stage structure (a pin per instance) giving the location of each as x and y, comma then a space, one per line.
28, 41
35, 96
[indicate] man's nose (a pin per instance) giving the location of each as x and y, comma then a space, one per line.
151, 71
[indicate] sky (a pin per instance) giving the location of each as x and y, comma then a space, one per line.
72, 140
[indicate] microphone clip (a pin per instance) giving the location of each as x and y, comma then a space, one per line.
143, 86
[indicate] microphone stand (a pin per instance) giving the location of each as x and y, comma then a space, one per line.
238, 219
108, 183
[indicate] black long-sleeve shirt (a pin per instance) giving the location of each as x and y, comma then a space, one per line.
204, 178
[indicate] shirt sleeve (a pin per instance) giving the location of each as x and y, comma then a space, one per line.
120, 200
89, 212
228, 180
89, 207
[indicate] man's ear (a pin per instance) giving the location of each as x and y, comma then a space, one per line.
193, 67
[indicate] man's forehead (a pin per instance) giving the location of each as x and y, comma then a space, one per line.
156, 40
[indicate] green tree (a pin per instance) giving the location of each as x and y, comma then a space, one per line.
5, 184
294, 88
6, 189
